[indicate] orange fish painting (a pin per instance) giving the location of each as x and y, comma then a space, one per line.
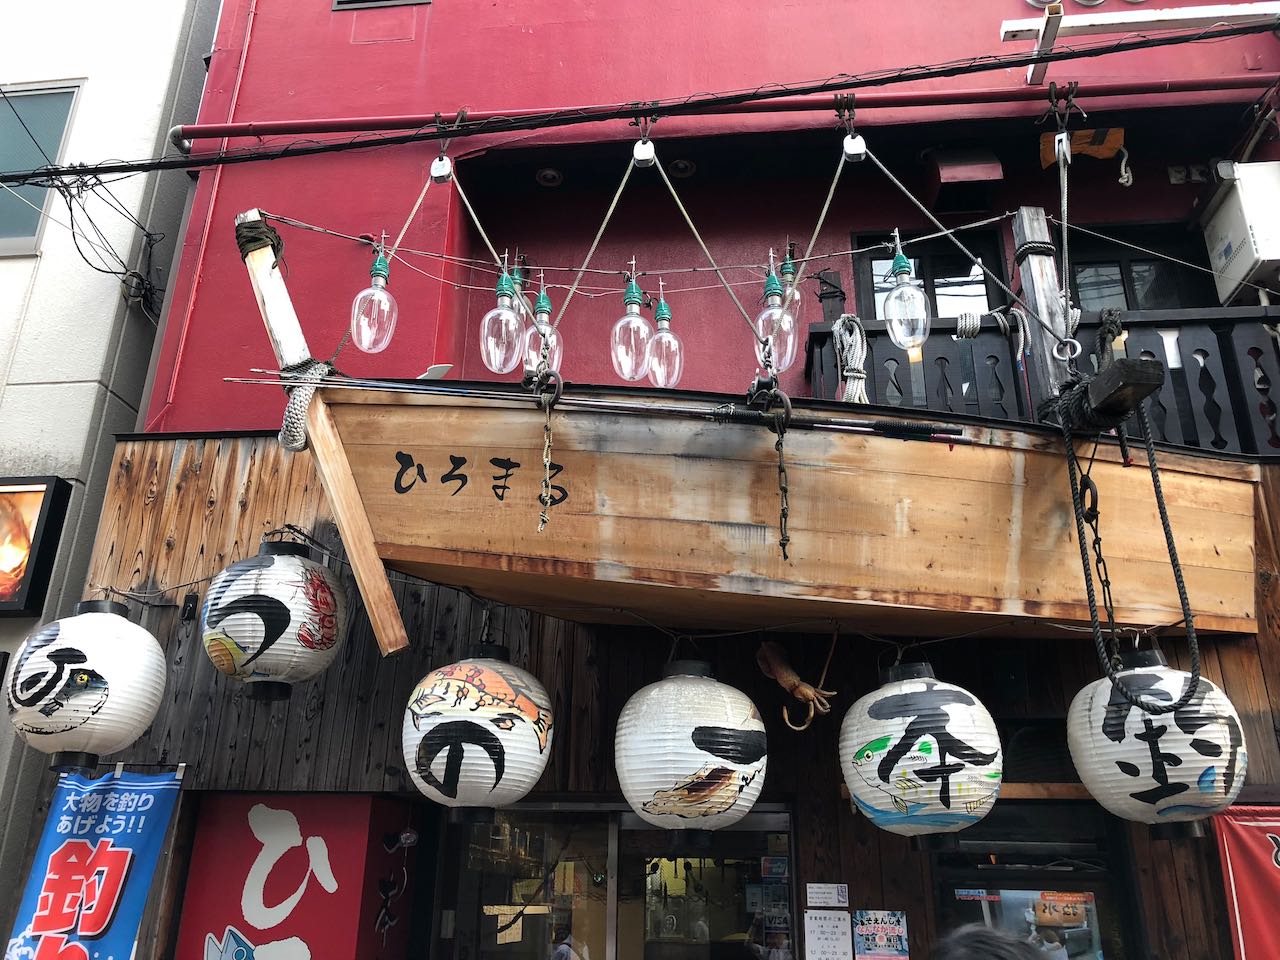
482, 686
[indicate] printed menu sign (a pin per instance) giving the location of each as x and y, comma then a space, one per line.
827, 935
827, 894
880, 935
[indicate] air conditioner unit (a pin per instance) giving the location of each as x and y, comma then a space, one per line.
1242, 230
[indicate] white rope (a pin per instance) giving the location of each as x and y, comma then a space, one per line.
850, 342
1126, 175
707, 253
409, 219
586, 261
969, 325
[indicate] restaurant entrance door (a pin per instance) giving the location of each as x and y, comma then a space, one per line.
565, 883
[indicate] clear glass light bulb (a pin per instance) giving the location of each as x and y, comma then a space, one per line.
778, 326
629, 344
501, 338
666, 352
796, 304
373, 316
541, 329
906, 314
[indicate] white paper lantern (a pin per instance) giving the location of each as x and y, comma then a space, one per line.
87, 685
1157, 768
275, 619
477, 733
920, 756
690, 751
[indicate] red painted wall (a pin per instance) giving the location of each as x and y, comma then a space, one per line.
281, 59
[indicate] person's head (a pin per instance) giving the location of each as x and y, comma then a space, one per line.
1049, 935
976, 942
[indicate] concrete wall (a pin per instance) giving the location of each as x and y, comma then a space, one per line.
73, 353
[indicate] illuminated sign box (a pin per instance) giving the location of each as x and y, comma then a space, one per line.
31, 514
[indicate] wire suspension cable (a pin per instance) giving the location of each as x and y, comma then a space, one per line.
963, 249
817, 229
663, 108
586, 261
710, 259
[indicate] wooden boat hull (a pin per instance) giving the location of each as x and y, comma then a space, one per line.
675, 520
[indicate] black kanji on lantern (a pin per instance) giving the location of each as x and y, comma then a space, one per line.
929, 719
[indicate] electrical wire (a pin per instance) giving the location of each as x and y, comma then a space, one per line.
692, 104
1158, 255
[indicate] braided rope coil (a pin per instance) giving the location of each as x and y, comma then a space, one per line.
850, 341
301, 381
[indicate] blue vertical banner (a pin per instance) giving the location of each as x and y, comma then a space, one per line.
93, 869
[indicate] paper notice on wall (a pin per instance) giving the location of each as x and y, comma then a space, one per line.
828, 935
880, 935
827, 894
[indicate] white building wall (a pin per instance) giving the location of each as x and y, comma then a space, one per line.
73, 354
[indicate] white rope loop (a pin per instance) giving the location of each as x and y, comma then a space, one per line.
850, 342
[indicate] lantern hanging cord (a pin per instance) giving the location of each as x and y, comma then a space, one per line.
707, 253
950, 234
1072, 412
521, 299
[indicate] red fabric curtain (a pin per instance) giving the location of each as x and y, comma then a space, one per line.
1249, 841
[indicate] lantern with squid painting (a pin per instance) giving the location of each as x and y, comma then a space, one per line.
690, 751
275, 619
1157, 768
920, 756
86, 685
477, 733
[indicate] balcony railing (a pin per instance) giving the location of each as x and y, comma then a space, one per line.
1220, 393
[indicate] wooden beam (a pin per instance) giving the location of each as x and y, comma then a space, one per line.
1048, 33
1039, 277
290, 347
278, 316
1028, 791
1131, 21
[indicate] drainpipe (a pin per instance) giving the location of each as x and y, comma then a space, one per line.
183, 135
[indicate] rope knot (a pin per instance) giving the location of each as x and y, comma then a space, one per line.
300, 383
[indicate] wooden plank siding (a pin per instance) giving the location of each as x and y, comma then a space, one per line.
178, 511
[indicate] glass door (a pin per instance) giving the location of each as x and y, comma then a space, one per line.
727, 902
529, 886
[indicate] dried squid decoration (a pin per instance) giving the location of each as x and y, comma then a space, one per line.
690, 751
774, 664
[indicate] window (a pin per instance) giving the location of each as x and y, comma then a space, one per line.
33, 126
953, 282
1108, 275
366, 4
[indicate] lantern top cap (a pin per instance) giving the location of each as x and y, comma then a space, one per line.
632, 293
687, 668
906, 671
1135, 659
505, 287
772, 285
543, 303
488, 651
381, 267
283, 548
901, 265
101, 606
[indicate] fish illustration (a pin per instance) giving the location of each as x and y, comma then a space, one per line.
710, 791
481, 687
224, 649
80, 696
907, 793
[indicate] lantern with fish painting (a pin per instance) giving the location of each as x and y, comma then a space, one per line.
273, 620
477, 733
690, 751
86, 685
920, 756
1157, 768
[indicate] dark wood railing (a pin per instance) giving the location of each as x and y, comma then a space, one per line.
1220, 394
